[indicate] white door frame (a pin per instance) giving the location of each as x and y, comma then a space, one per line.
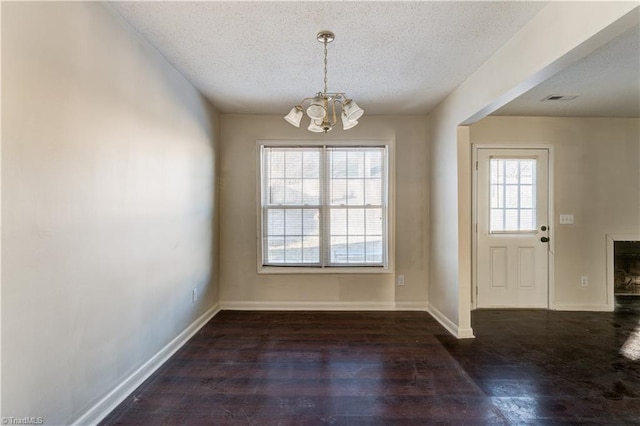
474, 217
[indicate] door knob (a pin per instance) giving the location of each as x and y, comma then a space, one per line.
543, 228
544, 239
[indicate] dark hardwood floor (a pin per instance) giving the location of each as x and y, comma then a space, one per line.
358, 368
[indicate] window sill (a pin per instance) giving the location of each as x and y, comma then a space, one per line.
287, 270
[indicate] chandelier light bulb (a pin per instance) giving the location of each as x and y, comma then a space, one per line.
295, 116
315, 126
317, 107
352, 110
346, 123
317, 111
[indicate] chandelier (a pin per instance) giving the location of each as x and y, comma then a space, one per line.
322, 108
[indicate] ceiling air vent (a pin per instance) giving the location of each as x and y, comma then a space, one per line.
560, 98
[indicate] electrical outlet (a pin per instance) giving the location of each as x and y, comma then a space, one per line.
400, 280
194, 295
584, 281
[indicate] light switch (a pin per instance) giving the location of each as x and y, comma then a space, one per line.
566, 219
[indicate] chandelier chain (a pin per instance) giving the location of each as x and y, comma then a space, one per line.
325, 67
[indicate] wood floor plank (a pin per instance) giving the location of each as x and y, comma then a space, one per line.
358, 368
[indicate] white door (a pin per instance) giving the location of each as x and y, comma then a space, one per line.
512, 228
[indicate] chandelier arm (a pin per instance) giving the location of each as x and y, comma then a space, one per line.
305, 100
339, 97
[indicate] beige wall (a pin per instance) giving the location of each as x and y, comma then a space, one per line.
107, 197
560, 34
596, 177
240, 284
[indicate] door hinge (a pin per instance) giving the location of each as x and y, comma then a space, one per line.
476, 165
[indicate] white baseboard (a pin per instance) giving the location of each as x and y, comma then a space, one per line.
308, 306
588, 308
460, 333
324, 306
97, 412
93, 415
465, 333
412, 306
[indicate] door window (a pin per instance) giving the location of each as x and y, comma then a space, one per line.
512, 199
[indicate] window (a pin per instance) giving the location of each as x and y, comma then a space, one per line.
513, 204
324, 206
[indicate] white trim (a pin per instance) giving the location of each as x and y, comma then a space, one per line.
324, 306
474, 226
284, 270
307, 306
551, 254
465, 333
550, 207
587, 308
610, 239
97, 412
412, 306
460, 333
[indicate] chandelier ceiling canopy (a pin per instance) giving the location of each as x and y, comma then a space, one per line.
322, 109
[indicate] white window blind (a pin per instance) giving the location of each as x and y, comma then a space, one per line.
512, 203
324, 206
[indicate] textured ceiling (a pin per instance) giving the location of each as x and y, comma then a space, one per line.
391, 57
608, 82
263, 57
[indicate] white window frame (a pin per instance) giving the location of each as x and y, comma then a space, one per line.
389, 266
